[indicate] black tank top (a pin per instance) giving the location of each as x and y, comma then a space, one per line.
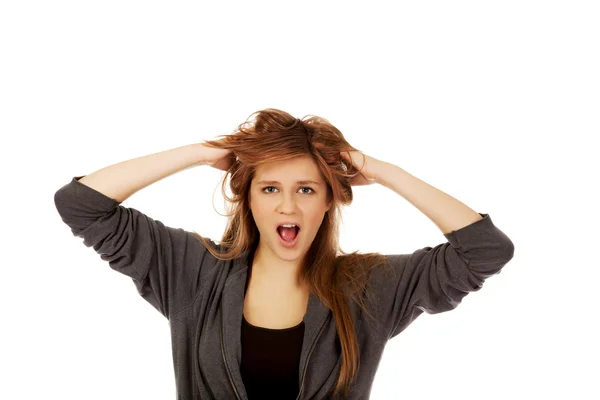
270, 360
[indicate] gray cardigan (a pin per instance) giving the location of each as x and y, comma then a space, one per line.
202, 297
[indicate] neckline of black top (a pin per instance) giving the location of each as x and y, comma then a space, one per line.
271, 329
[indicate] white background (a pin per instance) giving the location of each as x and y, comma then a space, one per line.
495, 103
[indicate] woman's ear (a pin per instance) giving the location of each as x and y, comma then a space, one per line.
329, 200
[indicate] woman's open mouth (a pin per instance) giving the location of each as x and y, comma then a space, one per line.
288, 236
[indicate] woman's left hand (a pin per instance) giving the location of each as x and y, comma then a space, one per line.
367, 176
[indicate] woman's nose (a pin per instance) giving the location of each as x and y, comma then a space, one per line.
287, 203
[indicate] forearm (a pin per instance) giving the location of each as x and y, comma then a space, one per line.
120, 181
445, 211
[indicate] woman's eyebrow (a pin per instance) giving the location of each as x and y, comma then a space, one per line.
305, 182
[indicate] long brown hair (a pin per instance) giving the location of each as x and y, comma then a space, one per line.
332, 275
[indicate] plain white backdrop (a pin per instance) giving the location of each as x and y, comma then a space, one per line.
497, 104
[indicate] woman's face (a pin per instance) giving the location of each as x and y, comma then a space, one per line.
277, 195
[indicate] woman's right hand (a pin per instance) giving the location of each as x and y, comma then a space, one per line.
218, 158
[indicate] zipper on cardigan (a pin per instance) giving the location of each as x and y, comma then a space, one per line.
223, 352
308, 358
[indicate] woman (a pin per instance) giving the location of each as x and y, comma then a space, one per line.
276, 309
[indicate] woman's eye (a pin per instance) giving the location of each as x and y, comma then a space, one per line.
273, 187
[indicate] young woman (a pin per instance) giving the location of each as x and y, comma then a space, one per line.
276, 309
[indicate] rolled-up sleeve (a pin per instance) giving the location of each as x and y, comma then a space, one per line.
436, 279
165, 263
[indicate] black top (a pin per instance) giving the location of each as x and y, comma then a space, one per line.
270, 360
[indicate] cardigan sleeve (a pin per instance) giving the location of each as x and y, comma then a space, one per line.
165, 263
436, 279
